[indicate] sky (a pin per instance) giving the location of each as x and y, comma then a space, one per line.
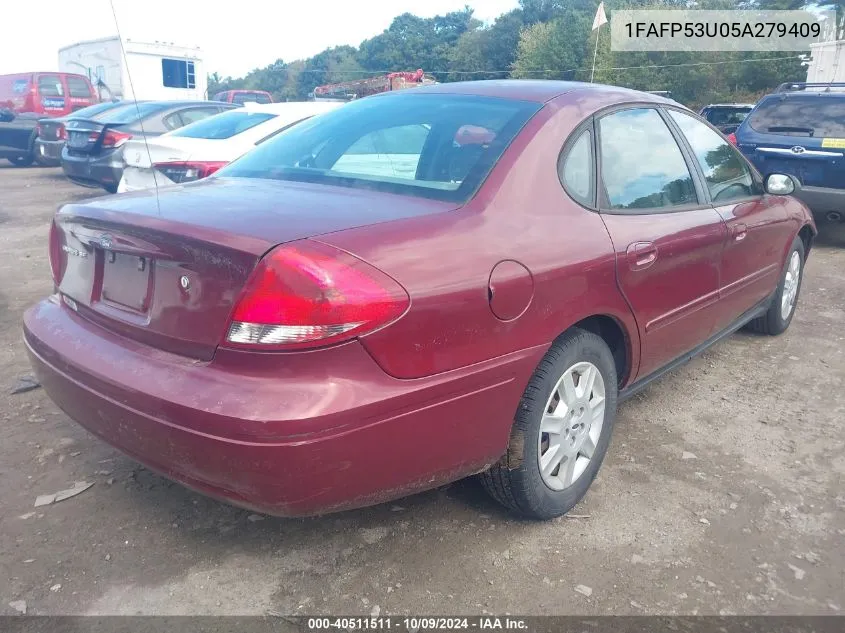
234, 35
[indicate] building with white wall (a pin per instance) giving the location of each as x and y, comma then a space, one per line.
827, 63
137, 70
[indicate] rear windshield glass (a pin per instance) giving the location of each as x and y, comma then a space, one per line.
224, 125
727, 116
90, 111
819, 116
128, 113
250, 97
434, 146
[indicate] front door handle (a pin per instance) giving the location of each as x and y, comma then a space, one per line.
739, 231
641, 255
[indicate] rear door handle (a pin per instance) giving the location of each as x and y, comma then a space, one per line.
641, 255
739, 232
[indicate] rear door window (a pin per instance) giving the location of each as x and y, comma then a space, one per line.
78, 88
642, 166
192, 115
809, 115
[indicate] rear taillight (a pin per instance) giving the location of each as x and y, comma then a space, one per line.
732, 138
55, 252
37, 129
112, 138
180, 172
61, 132
308, 294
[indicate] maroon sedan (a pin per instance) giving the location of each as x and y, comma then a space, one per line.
417, 287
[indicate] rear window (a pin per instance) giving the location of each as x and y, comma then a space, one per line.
92, 110
250, 97
433, 146
225, 125
727, 116
818, 116
129, 113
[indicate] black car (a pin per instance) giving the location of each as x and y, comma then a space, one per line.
726, 116
51, 133
93, 152
17, 136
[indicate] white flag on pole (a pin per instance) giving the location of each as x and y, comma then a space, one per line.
601, 17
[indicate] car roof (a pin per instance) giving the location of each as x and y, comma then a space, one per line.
538, 90
729, 105
292, 107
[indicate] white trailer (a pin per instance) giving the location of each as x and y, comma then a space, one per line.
137, 70
827, 63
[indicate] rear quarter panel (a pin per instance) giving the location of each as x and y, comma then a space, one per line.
444, 261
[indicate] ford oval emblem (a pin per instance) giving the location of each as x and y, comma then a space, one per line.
797, 150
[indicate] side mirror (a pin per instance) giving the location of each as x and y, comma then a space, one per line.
780, 184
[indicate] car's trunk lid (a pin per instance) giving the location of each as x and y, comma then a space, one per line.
166, 270
811, 160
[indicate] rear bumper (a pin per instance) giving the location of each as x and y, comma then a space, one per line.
103, 170
49, 152
286, 434
822, 200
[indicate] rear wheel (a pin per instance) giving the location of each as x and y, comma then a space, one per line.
561, 430
110, 188
780, 312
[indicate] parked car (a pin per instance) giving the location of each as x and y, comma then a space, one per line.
315, 328
46, 93
17, 134
244, 96
93, 153
199, 149
51, 133
726, 116
800, 130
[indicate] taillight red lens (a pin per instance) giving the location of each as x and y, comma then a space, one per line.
308, 294
61, 132
180, 172
55, 252
113, 138
732, 138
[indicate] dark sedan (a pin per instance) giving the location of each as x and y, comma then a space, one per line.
93, 152
51, 133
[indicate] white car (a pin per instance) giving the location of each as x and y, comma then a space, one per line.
199, 149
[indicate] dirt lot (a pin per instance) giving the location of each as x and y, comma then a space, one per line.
754, 523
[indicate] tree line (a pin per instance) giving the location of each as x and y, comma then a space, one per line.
541, 39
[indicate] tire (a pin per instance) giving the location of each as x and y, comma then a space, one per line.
774, 322
110, 188
22, 161
516, 480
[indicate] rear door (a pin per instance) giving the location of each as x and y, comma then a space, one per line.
668, 240
51, 95
798, 134
758, 230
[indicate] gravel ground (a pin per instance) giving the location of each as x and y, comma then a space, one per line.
722, 493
